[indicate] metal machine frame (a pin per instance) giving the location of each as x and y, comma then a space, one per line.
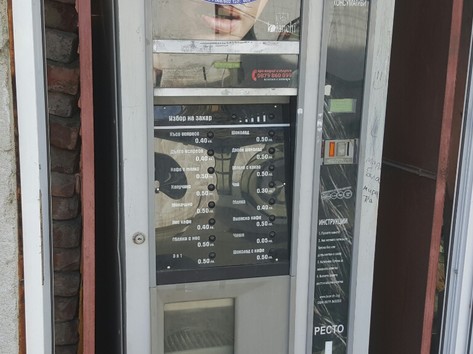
135, 48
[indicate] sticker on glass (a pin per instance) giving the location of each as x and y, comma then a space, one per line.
230, 2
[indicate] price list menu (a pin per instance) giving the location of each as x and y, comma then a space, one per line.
223, 179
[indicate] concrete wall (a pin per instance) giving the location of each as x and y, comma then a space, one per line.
8, 201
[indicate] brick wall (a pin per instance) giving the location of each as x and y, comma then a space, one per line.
64, 121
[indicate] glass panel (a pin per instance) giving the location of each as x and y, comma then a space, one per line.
222, 70
344, 85
226, 19
223, 179
199, 327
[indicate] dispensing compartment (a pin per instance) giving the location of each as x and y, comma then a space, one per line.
223, 185
238, 316
199, 327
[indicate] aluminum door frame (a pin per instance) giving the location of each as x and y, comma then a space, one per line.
134, 117
31, 102
306, 171
135, 112
370, 154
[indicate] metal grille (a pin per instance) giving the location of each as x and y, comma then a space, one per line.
191, 339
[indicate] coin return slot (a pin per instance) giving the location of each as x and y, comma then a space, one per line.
340, 152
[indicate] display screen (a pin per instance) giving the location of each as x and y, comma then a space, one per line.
222, 191
224, 20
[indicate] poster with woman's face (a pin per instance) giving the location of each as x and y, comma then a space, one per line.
226, 19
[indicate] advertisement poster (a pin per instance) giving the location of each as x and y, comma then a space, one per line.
229, 71
226, 20
223, 22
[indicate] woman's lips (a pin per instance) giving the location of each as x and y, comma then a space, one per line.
227, 19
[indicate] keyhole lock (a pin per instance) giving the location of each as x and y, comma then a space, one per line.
139, 238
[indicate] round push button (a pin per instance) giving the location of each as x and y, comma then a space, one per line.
212, 238
211, 204
211, 187
212, 255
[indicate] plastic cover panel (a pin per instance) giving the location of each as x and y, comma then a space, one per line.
221, 24
222, 191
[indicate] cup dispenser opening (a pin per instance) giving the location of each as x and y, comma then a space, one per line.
199, 327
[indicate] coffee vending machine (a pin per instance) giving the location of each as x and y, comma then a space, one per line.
246, 149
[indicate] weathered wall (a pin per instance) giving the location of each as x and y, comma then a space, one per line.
8, 201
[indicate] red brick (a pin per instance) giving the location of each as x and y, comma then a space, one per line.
61, 46
66, 283
60, 16
65, 208
65, 308
64, 132
66, 333
66, 259
62, 185
61, 104
64, 161
67, 234
63, 77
